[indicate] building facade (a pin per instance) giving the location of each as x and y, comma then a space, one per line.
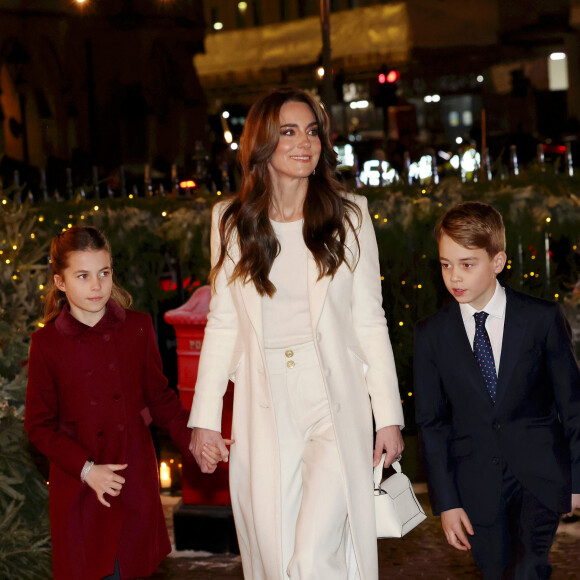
453, 60
99, 83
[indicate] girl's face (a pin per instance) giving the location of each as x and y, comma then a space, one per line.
87, 282
298, 150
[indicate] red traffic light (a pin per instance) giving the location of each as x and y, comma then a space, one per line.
388, 76
393, 76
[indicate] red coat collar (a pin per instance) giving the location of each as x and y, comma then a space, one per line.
68, 325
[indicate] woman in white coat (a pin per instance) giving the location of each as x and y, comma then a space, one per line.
296, 321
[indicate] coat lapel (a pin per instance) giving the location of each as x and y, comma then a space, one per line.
459, 349
317, 290
250, 297
253, 303
513, 334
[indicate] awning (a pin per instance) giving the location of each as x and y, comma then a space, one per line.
362, 38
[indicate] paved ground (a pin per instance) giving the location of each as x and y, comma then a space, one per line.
422, 554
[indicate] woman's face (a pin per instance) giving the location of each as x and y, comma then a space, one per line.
298, 149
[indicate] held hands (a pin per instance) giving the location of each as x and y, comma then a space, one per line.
455, 523
209, 448
390, 440
103, 479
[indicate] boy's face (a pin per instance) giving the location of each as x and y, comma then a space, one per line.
469, 274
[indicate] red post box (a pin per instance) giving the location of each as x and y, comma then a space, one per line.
189, 323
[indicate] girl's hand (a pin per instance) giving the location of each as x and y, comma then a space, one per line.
209, 448
103, 479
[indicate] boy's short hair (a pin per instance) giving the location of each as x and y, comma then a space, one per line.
473, 224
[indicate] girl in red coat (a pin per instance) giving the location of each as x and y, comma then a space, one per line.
95, 384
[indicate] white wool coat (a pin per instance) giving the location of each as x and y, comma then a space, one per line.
356, 358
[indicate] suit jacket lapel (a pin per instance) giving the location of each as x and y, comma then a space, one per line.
459, 349
513, 333
317, 290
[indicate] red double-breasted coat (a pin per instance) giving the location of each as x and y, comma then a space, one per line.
92, 392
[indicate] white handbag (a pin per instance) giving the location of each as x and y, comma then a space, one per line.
397, 510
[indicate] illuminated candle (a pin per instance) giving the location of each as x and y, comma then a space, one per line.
165, 475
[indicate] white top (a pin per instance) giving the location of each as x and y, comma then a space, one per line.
286, 316
494, 323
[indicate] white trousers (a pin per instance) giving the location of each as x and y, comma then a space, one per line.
315, 531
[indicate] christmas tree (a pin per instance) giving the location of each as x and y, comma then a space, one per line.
25, 551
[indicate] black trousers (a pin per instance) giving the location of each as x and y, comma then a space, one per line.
516, 545
116, 575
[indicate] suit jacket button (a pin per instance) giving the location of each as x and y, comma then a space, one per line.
496, 426
495, 461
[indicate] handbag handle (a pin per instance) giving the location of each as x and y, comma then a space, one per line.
378, 472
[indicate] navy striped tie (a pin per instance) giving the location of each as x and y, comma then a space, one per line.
484, 354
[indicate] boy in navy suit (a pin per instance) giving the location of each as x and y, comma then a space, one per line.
498, 403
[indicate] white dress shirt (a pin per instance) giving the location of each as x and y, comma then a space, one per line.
494, 323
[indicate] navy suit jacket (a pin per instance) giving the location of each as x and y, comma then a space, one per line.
534, 426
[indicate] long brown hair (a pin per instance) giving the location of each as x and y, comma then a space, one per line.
76, 239
327, 213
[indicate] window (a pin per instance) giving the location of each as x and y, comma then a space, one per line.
257, 13
241, 12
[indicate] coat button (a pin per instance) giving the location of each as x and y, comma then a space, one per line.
289, 353
120, 427
106, 337
290, 364
117, 398
496, 426
495, 461
100, 433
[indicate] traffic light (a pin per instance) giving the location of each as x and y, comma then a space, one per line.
386, 87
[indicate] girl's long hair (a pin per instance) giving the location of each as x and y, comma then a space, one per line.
76, 239
327, 213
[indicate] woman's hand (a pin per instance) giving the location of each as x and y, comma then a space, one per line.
209, 448
390, 440
103, 479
